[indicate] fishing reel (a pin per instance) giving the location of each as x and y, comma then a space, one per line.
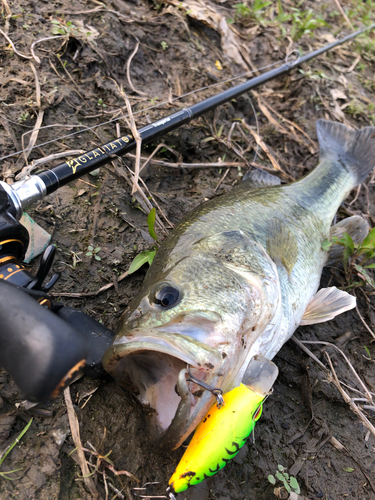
44, 345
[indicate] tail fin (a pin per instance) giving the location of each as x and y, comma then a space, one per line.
354, 148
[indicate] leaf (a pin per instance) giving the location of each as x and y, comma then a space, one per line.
151, 257
88, 254
151, 223
90, 248
141, 259
326, 245
371, 266
369, 241
271, 479
279, 476
367, 350
97, 257
347, 469
362, 273
280, 467
294, 485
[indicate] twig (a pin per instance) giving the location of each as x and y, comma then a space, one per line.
38, 123
346, 359
190, 165
344, 15
157, 204
43, 40
90, 294
8, 13
309, 353
138, 141
364, 322
128, 71
13, 46
36, 163
118, 492
159, 146
348, 400
221, 180
74, 427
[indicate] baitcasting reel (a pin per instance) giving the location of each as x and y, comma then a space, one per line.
43, 344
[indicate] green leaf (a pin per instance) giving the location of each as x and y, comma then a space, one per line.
280, 467
97, 257
88, 254
10, 448
326, 245
151, 256
371, 266
141, 259
271, 479
90, 248
348, 469
369, 241
151, 223
367, 350
294, 485
279, 476
364, 275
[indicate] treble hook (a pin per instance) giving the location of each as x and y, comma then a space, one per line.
144, 488
216, 391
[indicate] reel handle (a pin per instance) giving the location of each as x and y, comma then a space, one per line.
38, 349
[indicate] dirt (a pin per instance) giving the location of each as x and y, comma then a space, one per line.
176, 55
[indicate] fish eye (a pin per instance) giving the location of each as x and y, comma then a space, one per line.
166, 296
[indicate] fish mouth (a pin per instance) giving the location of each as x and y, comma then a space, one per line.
153, 365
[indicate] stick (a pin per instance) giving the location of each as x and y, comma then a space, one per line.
74, 427
128, 70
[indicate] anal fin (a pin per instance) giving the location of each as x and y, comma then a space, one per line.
356, 227
326, 304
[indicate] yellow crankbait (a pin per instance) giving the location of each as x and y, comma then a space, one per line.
223, 432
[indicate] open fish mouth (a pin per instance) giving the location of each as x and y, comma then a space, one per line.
153, 366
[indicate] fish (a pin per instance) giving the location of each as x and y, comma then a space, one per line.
234, 280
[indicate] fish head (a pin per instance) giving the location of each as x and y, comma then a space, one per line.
204, 310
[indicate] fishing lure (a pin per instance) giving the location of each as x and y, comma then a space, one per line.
225, 429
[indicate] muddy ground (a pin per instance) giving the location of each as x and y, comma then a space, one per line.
177, 54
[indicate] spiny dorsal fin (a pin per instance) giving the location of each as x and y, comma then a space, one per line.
355, 149
261, 178
326, 304
282, 245
356, 227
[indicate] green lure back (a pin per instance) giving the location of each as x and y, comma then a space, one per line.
218, 438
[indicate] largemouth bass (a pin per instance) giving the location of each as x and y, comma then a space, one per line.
234, 280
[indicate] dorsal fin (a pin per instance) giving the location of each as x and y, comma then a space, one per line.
282, 245
261, 178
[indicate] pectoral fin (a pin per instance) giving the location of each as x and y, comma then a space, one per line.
282, 245
356, 227
326, 304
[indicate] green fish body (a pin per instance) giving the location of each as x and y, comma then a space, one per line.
234, 280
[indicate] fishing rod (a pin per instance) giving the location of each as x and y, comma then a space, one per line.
36, 187
44, 348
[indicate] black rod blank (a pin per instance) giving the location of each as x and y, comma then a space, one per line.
73, 169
